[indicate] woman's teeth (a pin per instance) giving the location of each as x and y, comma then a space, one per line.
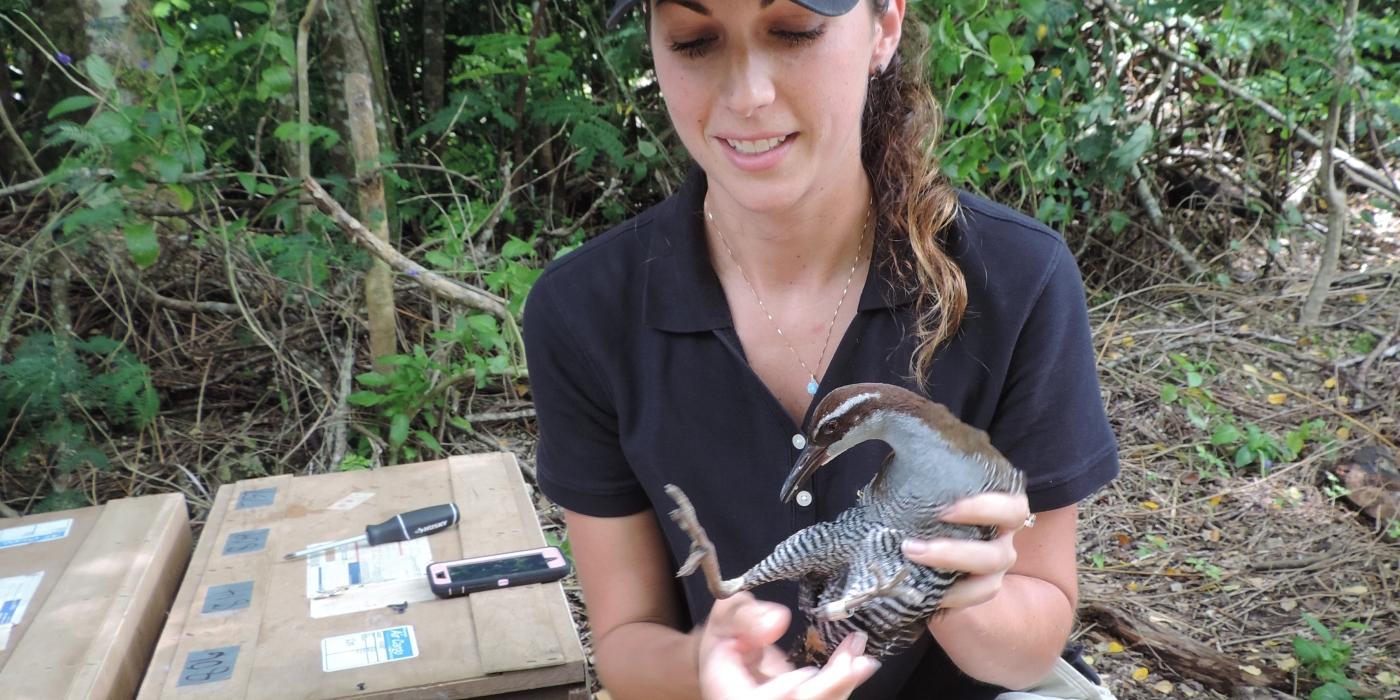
752, 147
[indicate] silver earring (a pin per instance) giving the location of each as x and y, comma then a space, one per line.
878, 70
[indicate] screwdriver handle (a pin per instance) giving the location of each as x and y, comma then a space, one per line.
414, 523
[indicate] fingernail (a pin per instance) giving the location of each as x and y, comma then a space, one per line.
858, 640
773, 616
914, 547
865, 664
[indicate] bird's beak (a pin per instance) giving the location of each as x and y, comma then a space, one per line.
807, 462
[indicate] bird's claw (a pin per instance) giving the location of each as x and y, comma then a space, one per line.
701, 548
845, 607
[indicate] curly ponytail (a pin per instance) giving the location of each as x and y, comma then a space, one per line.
914, 201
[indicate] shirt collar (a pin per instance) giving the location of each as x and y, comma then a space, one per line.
683, 294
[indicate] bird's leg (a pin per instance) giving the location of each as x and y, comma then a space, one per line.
845, 607
702, 550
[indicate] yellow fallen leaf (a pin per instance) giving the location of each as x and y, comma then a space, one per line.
1214, 501
1088, 659
1150, 505
1294, 493
1132, 586
1213, 535
1344, 432
1277, 376
1251, 670
1250, 369
1127, 341
1114, 648
1329, 383
1244, 327
1342, 401
1360, 298
1163, 687
1277, 399
1139, 674
1288, 664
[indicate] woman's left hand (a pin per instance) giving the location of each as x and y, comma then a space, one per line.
985, 562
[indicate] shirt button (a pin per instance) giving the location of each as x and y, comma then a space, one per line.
804, 498
798, 441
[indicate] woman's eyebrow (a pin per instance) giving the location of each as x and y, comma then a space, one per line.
697, 7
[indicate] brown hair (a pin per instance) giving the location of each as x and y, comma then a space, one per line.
915, 204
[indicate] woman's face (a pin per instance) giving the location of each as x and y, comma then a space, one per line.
766, 95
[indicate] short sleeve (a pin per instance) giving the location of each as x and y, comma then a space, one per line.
579, 459
1050, 420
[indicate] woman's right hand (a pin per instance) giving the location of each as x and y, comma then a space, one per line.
738, 661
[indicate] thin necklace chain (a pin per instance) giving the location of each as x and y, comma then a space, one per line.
812, 384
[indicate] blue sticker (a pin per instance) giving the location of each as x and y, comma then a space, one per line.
398, 644
256, 498
246, 541
230, 596
208, 666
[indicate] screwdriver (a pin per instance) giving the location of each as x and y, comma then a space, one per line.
401, 527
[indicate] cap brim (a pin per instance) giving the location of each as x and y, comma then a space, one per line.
829, 8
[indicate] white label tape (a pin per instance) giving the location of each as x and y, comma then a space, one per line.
31, 534
368, 648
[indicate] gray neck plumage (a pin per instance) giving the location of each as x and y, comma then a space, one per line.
925, 467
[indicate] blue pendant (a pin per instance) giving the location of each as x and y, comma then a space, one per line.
812, 387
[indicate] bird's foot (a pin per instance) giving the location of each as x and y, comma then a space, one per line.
702, 550
845, 607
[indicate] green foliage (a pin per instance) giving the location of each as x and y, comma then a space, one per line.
1231, 445
52, 397
1326, 659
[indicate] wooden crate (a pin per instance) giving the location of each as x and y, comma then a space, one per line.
83, 595
247, 625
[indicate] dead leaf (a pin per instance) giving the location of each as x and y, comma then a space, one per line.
1387, 678
1250, 369
1114, 648
1277, 399
1277, 376
1329, 383
1344, 432
1140, 674
1163, 687
1251, 670
1124, 539
1288, 664
1150, 505
1288, 604
1213, 535
1355, 590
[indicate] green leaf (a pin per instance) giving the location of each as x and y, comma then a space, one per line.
461, 423
1170, 393
366, 398
100, 72
1330, 691
398, 429
183, 195
1244, 456
1194, 379
110, 128
168, 168
372, 379
161, 10
72, 104
142, 244
516, 248
427, 438
1226, 435
647, 149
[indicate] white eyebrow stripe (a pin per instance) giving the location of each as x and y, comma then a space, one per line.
849, 404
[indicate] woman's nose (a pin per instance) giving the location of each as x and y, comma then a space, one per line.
750, 86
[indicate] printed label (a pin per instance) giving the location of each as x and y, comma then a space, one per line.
228, 597
351, 501
39, 532
368, 648
208, 666
245, 541
357, 565
256, 498
15, 594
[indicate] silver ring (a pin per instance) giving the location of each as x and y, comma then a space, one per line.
1030, 521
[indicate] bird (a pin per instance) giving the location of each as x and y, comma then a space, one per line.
851, 572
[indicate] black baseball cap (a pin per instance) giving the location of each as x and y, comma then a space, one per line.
830, 8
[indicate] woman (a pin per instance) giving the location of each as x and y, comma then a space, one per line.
690, 344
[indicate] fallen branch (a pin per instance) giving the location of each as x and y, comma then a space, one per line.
1154, 213
1187, 657
471, 297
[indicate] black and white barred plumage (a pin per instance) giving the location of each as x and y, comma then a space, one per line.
851, 572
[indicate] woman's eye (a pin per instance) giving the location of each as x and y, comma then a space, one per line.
693, 49
799, 38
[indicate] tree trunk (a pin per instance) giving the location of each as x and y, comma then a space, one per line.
379, 283
1336, 199
434, 56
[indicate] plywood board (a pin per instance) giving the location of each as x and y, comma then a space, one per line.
265, 635
90, 626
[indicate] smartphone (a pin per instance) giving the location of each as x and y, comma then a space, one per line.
450, 579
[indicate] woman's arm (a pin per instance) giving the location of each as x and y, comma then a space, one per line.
1008, 620
638, 647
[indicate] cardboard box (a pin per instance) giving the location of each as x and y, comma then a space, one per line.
83, 595
249, 624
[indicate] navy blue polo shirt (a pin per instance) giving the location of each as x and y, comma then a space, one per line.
639, 380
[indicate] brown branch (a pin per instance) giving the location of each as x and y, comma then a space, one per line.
471, 297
